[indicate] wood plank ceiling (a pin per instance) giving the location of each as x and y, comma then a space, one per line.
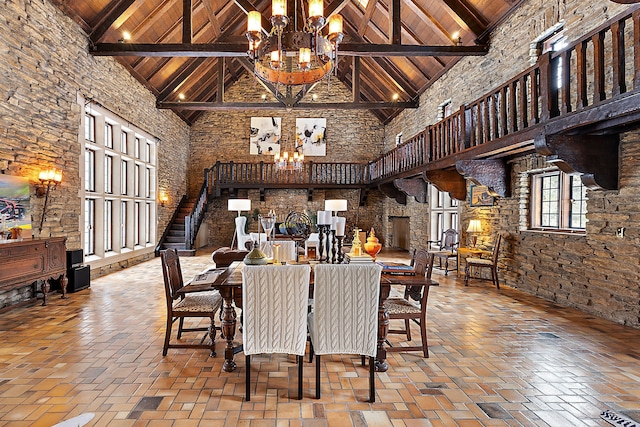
180, 56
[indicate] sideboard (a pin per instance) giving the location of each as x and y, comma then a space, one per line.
32, 261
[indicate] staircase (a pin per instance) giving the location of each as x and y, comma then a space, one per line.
175, 237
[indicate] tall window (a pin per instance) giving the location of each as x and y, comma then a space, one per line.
119, 190
558, 202
443, 212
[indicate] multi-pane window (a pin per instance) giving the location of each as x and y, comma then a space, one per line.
558, 202
119, 190
443, 212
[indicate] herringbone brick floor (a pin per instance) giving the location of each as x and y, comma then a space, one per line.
498, 358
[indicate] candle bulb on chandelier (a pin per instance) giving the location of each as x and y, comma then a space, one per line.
316, 8
279, 7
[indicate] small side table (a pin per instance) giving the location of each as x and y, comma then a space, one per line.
464, 253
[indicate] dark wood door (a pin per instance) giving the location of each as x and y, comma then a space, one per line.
400, 232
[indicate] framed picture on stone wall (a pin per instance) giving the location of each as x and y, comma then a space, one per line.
15, 208
265, 135
311, 136
479, 196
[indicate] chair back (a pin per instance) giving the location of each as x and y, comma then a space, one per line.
423, 263
449, 240
274, 306
345, 316
496, 249
172, 273
243, 236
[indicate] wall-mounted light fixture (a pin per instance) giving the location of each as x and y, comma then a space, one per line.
49, 180
163, 198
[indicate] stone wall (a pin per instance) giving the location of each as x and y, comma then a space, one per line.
352, 136
45, 66
595, 272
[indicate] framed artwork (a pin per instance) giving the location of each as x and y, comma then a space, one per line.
15, 209
311, 136
479, 196
265, 135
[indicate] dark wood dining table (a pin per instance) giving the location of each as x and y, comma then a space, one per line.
229, 284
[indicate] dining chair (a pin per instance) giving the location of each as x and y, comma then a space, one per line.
344, 319
243, 236
483, 263
183, 304
446, 249
403, 308
274, 306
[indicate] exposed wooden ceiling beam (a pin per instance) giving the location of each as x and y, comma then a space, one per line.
395, 23
108, 17
368, 13
187, 32
278, 106
433, 23
213, 18
240, 49
469, 16
183, 73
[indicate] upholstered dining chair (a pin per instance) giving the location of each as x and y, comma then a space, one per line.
181, 304
243, 236
483, 263
344, 319
446, 248
274, 305
403, 308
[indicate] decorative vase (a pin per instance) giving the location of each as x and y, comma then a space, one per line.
373, 245
256, 256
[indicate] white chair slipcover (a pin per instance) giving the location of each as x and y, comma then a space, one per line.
345, 315
274, 304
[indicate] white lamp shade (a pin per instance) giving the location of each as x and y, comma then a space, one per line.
335, 205
239, 205
474, 226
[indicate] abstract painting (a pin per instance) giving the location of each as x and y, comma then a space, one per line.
15, 210
311, 136
265, 135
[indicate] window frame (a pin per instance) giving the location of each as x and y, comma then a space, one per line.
564, 202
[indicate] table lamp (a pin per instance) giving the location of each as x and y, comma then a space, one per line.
474, 227
239, 205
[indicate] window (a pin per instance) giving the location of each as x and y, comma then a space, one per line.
443, 212
119, 215
558, 202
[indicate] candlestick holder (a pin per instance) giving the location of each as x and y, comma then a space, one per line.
320, 241
328, 245
333, 246
340, 253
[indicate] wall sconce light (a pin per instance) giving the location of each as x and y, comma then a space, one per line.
474, 228
163, 198
49, 180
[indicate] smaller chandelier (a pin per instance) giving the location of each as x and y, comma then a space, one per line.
286, 163
293, 57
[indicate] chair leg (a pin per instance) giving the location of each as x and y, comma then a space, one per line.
248, 379
467, 271
167, 335
446, 266
311, 352
317, 376
423, 335
300, 360
494, 276
408, 329
372, 380
180, 326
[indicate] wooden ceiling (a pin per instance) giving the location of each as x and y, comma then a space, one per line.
390, 47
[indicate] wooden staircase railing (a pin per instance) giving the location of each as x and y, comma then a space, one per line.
194, 219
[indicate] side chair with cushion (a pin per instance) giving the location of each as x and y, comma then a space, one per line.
243, 236
403, 308
446, 249
345, 315
181, 303
482, 263
274, 302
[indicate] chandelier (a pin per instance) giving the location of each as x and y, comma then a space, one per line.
289, 56
286, 163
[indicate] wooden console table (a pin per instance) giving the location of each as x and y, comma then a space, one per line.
27, 262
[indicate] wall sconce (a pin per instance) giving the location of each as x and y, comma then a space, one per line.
474, 227
163, 198
49, 180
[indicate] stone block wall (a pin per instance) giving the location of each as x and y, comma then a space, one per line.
45, 67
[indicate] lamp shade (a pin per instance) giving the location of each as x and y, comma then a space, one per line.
335, 205
474, 226
239, 205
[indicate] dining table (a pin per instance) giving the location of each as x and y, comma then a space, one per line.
228, 282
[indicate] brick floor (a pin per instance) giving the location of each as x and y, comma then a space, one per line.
498, 358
